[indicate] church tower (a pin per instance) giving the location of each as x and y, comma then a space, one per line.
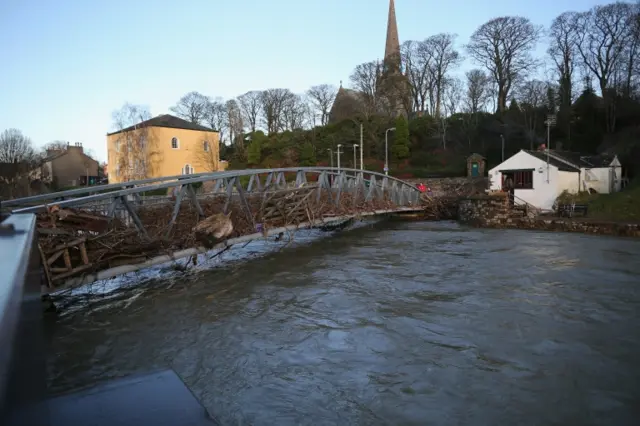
392, 46
394, 85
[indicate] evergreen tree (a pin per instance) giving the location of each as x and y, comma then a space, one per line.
400, 148
307, 155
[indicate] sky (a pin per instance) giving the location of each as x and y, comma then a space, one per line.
68, 64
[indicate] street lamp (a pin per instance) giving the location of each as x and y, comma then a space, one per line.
355, 159
338, 153
330, 156
386, 150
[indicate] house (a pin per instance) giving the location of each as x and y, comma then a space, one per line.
68, 167
162, 146
539, 177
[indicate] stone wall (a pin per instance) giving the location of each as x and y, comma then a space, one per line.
453, 186
481, 210
492, 211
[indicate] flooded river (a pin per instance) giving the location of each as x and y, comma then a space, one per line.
403, 323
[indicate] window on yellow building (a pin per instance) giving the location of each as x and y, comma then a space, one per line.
118, 145
187, 169
175, 144
205, 145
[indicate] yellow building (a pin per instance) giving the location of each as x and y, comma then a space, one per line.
162, 146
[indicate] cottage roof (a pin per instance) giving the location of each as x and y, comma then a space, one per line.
560, 165
586, 161
169, 121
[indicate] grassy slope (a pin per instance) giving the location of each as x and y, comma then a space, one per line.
620, 206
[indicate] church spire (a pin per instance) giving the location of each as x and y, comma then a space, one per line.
392, 47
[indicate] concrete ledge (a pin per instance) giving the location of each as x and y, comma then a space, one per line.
159, 399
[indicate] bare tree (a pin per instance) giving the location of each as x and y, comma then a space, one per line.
452, 95
56, 146
366, 79
563, 50
192, 107
532, 97
417, 63
133, 145
216, 116
251, 105
18, 159
602, 35
444, 58
295, 112
503, 46
322, 97
478, 90
274, 103
235, 126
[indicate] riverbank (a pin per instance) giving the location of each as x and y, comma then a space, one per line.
555, 224
493, 211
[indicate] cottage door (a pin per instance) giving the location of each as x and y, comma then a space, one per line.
475, 169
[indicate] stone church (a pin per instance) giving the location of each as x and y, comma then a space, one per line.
392, 93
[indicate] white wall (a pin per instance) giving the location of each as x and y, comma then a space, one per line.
604, 179
568, 181
544, 193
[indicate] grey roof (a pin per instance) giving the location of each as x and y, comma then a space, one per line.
553, 161
167, 120
586, 161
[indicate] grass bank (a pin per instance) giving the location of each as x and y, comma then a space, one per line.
623, 206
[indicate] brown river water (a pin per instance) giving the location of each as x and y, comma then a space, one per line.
399, 323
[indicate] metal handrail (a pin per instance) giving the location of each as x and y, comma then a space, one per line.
184, 180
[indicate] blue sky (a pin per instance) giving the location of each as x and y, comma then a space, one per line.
67, 64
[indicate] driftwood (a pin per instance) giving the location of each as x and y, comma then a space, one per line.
74, 242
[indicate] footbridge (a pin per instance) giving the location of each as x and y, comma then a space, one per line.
99, 232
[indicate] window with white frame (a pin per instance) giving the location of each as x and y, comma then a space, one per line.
175, 143
117, 145
205, 146
187, 169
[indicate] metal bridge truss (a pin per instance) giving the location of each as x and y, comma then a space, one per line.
352, 193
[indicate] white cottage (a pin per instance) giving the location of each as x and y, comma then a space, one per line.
539, 182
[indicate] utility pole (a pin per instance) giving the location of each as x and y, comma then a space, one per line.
361, 146
338, 153
550, 121
502, 140
386, 150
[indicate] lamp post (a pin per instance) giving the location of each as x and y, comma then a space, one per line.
355, 160
330, 156
338, 153
361, 146
386, 150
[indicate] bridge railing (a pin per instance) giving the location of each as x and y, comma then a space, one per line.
22, 348
401, 192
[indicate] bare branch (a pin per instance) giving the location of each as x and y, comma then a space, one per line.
192, 107
503, 46
322, 97
250, 105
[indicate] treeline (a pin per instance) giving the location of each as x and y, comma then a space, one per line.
589, 82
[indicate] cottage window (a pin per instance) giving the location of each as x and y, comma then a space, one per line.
174, 143
523, 179
205, 146
118, 145
129, 144
187, 169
